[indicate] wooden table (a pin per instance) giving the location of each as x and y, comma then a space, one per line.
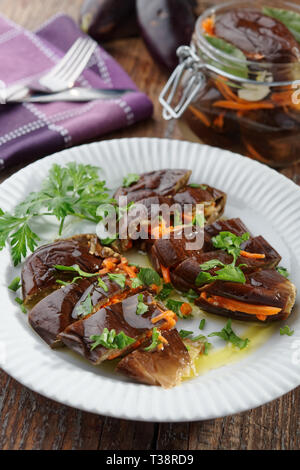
30, 421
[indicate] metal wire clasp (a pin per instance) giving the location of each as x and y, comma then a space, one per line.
188, 61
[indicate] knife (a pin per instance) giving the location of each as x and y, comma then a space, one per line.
76, 94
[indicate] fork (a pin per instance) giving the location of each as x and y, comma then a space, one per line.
63, 75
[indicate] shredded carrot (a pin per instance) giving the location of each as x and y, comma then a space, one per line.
124, 260
246, 254
154, 287
114, 355
243, 106
186, 309
235, 305
219, 121
170, 319
208, 26
103, 271
226, 91
162, 339
128, 270
109, 265
166, 274
261, 317
200, 116
252, 153
160, 347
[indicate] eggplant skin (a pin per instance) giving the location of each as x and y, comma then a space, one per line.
155, 183
120, 316
165, 25
164, 368
105, 20
263, 287
39, 275
213, 199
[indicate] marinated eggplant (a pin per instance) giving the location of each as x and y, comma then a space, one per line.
66, 305
266, 296
121, 317
213, 199
155, 183
39, 275
163, 367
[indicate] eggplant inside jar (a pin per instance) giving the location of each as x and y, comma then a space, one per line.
238, 84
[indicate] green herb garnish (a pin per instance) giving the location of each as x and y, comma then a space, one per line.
165, 292
21, 303
119, 279
283, 271
15, 284
130, 179
111, 340
136, 282
141, 306
286, 331
148, 277
228, 335
289, 18
231, 243
199, 220
175, 306
102, 284
155, 341
75, 269
185, 333
202, 324
195, 185
191, 295
73, 190
85, 307
65, 284
228, 273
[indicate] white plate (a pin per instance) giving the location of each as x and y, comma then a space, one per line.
267, 202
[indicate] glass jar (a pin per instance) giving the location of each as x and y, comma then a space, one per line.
248, 107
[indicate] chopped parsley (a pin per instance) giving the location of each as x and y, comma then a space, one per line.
155, 341
75, 268
148, 277
229, 272
283, 271
191, 295
130, 179
228, 335
165, 292
21, 303
111, 340
175, 306
231, 243
136, 282
84, 308
185, 333
15, 284
119, 279
102, 284
286, 331
141, 306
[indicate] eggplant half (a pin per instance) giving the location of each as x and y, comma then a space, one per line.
160, 367
121, 317
39, 275
213, 199
266, 296
64, 306
156, 183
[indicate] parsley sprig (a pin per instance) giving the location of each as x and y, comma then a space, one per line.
110, 340
73, 190
228, 335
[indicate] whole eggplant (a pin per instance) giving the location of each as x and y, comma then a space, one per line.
105, 20
165, 25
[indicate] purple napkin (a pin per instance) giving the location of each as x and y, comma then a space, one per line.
29, 131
